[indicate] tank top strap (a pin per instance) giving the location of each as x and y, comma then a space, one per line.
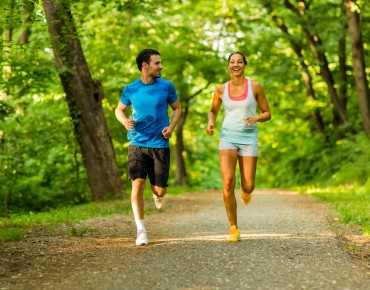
225, 96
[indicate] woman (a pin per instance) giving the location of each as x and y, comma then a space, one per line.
239, 134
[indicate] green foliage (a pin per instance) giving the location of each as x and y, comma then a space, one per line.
41, 166
352, 156
5, 109
313, 161
11, 235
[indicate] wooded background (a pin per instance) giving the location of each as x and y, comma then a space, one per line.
65, 63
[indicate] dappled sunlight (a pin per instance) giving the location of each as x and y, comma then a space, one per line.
275, 191
109, 243
262, 236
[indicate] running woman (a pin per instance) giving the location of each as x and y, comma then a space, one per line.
239, 134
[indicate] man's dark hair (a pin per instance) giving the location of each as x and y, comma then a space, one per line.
242, 54
144, 56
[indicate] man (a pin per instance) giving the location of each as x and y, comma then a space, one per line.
149, 129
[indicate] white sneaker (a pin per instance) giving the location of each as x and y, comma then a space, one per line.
159, 201
142, 239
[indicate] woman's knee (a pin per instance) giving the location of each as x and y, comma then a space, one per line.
229, 183
247, 188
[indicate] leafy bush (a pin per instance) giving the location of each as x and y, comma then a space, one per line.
312, 161
41, 166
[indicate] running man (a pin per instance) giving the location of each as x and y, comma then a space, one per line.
149, 130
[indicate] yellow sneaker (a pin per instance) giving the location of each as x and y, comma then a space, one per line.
246, 198
234, 235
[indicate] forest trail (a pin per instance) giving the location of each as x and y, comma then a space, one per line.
286, 244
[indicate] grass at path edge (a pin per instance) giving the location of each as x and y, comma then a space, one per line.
19, 225
352, 203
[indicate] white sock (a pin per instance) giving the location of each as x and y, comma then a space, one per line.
139, 224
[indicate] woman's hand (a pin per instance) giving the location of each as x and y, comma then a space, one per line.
250, 120
210, 129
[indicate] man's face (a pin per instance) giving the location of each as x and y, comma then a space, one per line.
155, 66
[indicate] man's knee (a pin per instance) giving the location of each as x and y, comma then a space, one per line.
159, 191
138, 184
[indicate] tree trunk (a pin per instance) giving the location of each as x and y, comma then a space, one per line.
314, 42
358, 59
7, 67
180, 171
27, 13
84, 97
307, 79
343, 59
320, 125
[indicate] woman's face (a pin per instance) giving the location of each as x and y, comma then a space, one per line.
236, 65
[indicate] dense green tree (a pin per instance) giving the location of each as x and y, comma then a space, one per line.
84, 97
354, 10
300, 52
306, 74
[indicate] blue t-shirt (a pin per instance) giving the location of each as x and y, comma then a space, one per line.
150, 104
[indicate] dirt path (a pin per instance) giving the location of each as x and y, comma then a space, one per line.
286, 244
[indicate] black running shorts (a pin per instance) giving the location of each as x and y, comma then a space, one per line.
151, 162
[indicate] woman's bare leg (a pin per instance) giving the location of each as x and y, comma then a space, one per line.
228, 159
248, 165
